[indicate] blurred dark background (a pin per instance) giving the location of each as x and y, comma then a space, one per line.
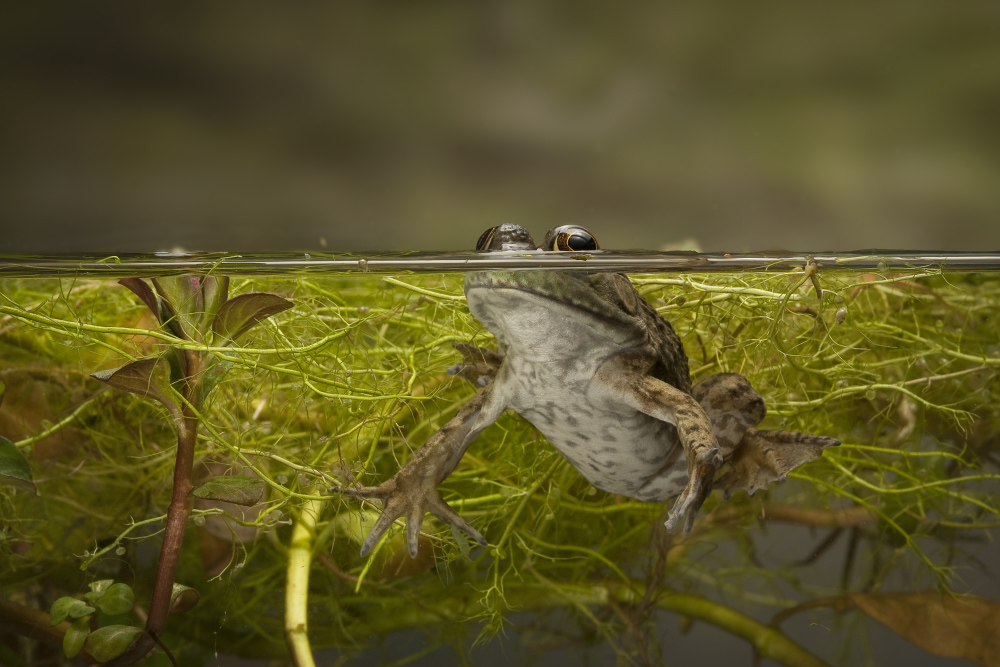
392, 125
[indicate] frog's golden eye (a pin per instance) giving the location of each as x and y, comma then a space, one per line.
485, 239
570, 237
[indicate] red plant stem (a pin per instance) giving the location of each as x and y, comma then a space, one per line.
177, 516
173, 536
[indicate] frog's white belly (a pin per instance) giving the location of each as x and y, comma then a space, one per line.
618, 449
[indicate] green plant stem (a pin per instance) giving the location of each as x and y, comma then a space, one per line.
297, 584
63, 423
769, 642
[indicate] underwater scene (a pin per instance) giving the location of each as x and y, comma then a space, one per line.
193, 462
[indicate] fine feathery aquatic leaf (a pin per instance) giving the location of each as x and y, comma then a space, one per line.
215, 292
146, 377
183, 598
14, 468
64, 608
183, 295
963, 626
215, 370
142, 290
240, 313
111, 641
117, 599
235, 489
75, 637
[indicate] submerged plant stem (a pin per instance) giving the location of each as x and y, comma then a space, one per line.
297, 584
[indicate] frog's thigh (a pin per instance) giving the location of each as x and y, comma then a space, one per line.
615, 381
732, 405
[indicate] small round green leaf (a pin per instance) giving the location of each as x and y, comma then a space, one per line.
64, 608
111, 641
14, 468
117, 599
97, 589
75, 637
235, 489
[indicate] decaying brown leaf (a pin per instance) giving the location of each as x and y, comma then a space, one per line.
963, 626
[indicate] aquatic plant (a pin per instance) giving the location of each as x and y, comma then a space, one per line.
344, 387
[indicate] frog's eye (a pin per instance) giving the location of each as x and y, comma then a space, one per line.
506, 237
485, 239
570, 237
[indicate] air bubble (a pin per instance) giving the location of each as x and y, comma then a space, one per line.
199, 521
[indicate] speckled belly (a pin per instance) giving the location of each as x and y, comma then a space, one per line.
618, 449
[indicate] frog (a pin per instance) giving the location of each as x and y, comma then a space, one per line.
604, 377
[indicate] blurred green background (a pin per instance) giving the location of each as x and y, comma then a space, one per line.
392, 125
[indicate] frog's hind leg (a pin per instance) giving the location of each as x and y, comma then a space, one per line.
756, 458
622, 380
733, 406
764, 457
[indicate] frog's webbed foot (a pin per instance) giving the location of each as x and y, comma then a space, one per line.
479, 365
410, 496
763, 457
701, 473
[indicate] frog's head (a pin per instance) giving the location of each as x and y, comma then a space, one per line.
550, 313
515, 237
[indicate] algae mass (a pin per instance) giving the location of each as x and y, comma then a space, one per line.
343, 387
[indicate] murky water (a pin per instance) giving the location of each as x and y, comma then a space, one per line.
895, 354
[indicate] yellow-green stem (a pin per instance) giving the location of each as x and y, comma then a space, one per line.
297, 584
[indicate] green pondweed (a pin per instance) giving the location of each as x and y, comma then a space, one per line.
349, 382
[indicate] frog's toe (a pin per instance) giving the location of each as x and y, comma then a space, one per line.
689, 524
380, 492
691, 499
443, 511
377, 531
413, 522
711, 457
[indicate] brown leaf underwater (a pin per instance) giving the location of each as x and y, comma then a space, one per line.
962, 626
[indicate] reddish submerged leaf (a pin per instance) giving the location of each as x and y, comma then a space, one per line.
145, 377
143, 291
240, 313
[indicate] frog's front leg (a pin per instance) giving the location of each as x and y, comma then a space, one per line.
623, 379
479, 365
412, 492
